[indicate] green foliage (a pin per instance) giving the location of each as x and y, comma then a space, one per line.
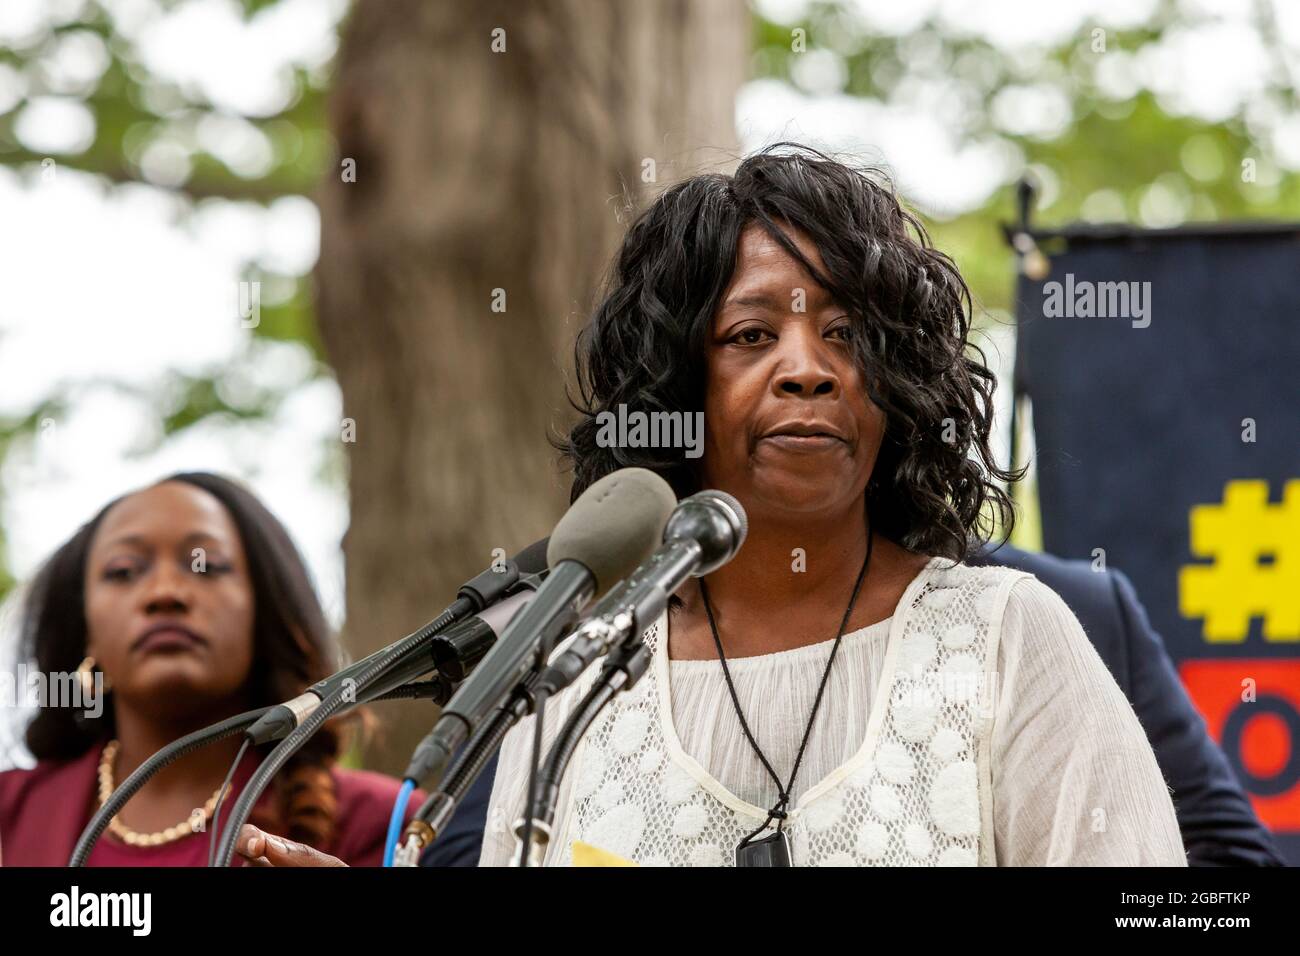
1112, 154
1112, 150
133, 109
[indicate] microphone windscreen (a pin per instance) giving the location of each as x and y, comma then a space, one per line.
614, 525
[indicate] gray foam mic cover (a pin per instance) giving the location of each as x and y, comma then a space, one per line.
614, 525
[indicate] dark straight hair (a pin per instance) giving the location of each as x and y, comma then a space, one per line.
292, 645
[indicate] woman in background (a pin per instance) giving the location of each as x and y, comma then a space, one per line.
192, 602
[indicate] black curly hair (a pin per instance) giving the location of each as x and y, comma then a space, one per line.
932, 491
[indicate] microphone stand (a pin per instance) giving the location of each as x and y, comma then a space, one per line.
438, 690
436, 811
141, 775
414, 645
290, 745
620, 672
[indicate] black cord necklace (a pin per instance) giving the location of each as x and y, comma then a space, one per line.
774, 850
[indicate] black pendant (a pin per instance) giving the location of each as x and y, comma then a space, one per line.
772, 850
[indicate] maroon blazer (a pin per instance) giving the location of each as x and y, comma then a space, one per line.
43, 811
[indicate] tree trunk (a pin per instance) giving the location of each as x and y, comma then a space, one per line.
485, 177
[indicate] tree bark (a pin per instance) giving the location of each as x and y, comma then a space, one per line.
478, 171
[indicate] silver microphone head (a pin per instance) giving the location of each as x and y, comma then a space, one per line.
714, 519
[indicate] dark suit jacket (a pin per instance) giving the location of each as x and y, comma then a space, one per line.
1218, 826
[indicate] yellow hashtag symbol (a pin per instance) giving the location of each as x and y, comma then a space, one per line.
1255, 547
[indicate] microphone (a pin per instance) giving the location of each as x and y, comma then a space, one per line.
456, 651
604, 535
479, 593
704, 533
453, 653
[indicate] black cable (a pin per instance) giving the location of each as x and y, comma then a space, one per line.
274, 761
439, 690
294, 740
221, 795
470, 760
539, 710
468, 765
623, 668
140, 776
477, 752
460, 608
566, 742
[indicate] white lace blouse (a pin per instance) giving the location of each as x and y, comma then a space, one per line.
1073, 778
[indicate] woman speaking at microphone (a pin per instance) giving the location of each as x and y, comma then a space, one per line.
845, 692
185, 603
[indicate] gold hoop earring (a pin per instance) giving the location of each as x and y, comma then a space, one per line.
86, 675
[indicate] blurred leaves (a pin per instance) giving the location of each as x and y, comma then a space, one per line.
1114, 155
1125, 155
199, 399
151, 130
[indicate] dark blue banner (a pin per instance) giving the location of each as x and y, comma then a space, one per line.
1163, 369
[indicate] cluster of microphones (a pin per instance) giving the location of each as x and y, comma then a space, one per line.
516, 635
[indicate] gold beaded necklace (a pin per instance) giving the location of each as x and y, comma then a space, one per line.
125, 833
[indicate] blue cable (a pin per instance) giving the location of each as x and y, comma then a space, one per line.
396, 821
